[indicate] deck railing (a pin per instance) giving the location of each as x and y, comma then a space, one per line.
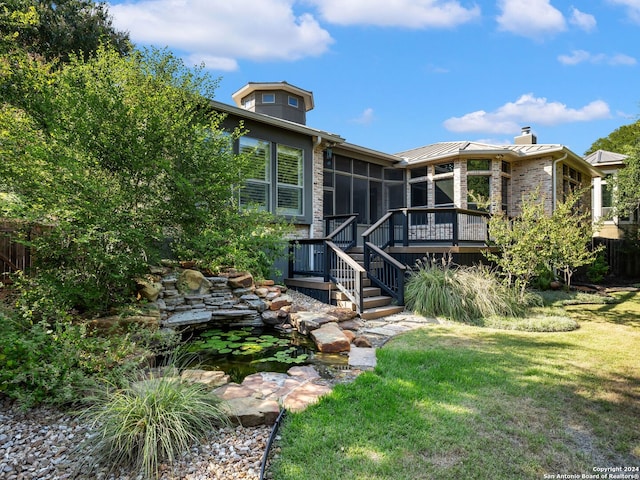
416, 226
419, 226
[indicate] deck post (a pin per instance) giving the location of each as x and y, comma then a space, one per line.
405, 227
454, 220
327, 261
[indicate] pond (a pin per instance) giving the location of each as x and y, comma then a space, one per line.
244, 351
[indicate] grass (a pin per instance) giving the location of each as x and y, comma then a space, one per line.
459, 401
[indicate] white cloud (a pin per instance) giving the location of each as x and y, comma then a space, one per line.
397, 13
535, 19
633, 8
582, 56
223, 31
366, 117
584, 21
527, 109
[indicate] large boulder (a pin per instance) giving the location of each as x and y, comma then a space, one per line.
330, 339
193, 282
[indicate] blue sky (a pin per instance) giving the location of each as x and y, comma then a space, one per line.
392, 75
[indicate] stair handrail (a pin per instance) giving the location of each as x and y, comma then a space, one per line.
345, 273
376, 227
345, 234
390, 276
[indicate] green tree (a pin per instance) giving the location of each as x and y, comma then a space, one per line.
521, 242
124, 152
63, 27
570, 236
619, 141
535, 242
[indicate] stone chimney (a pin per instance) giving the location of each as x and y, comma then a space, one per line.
526, 137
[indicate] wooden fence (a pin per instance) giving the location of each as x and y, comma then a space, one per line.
623, 256
14, 255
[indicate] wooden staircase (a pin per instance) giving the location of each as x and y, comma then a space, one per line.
334, 270
376, 305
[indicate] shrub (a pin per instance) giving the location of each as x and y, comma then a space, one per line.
433, 290
58, 363
149, 421
464, 293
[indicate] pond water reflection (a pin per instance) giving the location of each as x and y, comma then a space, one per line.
244, 351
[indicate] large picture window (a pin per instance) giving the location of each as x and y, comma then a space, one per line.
290, 188
256, 190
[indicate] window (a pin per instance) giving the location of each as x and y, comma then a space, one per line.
249, 102
481, 165
506, 167
478, 183
355, 186
293, 101
418, 172
443, 168
478, 189
504, 197
443, 190
419, 194
289, 168
268, 98
607, 196
256, 190
571, 182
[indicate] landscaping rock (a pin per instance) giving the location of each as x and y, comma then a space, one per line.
209, 378
330, 339
189, 317
271, 318
280, 301
192, 282
362, 342
305, 322
242, 280
251, 412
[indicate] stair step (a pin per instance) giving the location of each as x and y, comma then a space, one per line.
366, 292
379, 312
378, 301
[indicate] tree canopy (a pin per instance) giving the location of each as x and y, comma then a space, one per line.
61, 28
125, 159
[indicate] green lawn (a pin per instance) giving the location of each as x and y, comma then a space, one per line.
458, 401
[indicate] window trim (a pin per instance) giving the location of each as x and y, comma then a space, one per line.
293, 101
266, 96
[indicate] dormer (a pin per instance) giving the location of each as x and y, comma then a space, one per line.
277, 99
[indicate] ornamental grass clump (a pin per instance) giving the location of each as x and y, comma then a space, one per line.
151, 421
464, 294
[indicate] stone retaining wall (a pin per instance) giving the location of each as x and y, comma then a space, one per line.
186, 298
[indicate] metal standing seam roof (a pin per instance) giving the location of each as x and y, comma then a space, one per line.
443, 150
601, 158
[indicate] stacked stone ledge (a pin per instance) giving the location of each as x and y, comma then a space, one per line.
186, 298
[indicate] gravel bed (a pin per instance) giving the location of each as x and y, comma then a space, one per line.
41, 444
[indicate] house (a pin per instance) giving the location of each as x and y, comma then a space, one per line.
362, 215
612, 226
